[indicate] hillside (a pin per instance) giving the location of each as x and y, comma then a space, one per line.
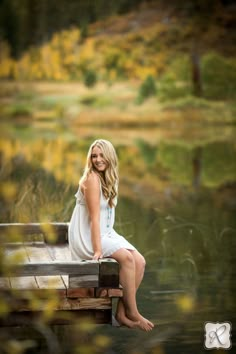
131, 46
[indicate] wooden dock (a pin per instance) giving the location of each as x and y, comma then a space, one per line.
37, 267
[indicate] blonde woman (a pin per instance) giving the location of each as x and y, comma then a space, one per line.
91, 232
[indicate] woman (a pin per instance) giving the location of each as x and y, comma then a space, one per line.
91, 233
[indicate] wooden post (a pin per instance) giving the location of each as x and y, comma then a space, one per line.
108, 273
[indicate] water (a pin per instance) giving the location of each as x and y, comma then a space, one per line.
177, 206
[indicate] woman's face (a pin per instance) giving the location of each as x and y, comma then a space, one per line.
98, 160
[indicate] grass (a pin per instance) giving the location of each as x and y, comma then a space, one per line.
104, 104
18, 110
187, 102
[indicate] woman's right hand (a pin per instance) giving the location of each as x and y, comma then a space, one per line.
97, 255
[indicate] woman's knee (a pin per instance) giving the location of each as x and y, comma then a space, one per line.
143, 262
140, 260
123, 256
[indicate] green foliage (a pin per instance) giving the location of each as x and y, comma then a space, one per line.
187, 102
219, 166
114, 62
177, 160
219, 76
176, 80
148, 151
180, 66
29, 23
52, 101
96, 101
19, 110
170, 88
88, 100
147, 89
90, 78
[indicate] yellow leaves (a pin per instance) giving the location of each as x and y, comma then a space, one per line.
13, 346
54, 156
185, 303
102, 341
8, 190
112, 75
6, 62
49, 231
127, 54
16, 257
45, 301
41, 165
49, 306
86, 326
50, 61
7, 149
141, 72
159, 349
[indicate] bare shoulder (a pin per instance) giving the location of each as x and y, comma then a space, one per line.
91, 182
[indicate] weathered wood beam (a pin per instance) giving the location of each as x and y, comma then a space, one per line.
107, 276
61, 317
56, 268
108, 273
83, 281
53, 232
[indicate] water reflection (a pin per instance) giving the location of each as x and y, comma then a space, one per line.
177, 205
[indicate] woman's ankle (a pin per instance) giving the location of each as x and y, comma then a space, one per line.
133, 315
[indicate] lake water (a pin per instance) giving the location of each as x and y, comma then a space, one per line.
177, 205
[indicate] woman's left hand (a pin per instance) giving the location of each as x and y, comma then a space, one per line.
97, 256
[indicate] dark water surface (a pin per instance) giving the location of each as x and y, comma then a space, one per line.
177, 205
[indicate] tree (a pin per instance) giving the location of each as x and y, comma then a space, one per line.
207, 25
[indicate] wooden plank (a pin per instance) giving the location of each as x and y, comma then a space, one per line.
60, 253
80, 292
115, 292
61, 317
108, 273
101, 292
36, 253
58, 229
14, 254
4, 283
22, 283
57, 268
23, 302
84, 281
85, 304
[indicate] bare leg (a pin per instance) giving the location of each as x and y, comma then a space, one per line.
122, 318
139, 273
139, 267
130, 279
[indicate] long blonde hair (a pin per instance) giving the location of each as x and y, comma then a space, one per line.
109, 178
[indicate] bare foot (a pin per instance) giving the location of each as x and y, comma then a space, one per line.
149, 322
125, 321
142, 322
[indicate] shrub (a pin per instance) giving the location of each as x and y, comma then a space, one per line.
187, 102
219, 76
147, 89
19, 110
90, 78
170, 88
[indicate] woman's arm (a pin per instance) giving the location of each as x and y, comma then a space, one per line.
91, 190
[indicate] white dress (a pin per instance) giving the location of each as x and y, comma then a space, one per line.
80, 242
